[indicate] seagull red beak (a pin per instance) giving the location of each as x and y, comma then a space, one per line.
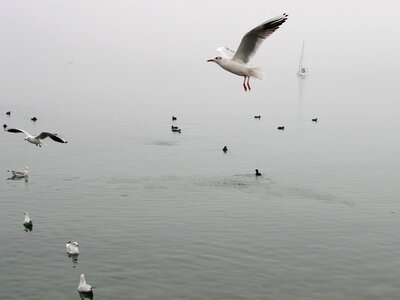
210, 60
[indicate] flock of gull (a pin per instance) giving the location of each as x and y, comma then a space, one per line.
85, 290
235, 62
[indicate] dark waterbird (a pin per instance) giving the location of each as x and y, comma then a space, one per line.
175, 129
281, 128
257, 117
34, 119
5, 126
225, 149
174, 118
8, 113
314, 120
258, 173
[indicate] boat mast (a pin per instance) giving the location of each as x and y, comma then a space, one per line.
301, 59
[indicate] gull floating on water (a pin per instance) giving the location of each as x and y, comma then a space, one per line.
27, 222
19, 174
83, 287
236, 62
37, 139
72, 248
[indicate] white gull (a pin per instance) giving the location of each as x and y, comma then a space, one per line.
19, 174
83, 287
28, 225
27, 220
37, 139
72, 248
236, 62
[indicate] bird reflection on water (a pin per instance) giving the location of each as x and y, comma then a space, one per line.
86, 295
74, 258
18, 178
28, 227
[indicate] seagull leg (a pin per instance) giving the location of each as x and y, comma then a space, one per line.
248, 83
244, 84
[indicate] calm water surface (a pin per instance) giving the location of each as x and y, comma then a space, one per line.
160, 215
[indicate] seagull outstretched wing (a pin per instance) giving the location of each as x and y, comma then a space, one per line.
54, 137
17, 130
252, 40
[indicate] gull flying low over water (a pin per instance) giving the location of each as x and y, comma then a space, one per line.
37, 139
236, 62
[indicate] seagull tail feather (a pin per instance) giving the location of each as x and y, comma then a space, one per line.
257, 73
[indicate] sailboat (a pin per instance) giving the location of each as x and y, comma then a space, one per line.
302, 72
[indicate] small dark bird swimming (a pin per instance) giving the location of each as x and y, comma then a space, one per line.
257, 117
258, 173
314, 120
8, 113
5, 126
225, 149
174, 118
281, 128
34, 119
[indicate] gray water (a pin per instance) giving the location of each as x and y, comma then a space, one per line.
161, 215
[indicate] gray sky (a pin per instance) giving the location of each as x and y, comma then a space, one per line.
155, 50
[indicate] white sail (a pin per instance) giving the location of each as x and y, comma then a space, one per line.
302, 71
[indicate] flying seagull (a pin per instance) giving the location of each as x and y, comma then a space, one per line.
236, 62
37, 139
